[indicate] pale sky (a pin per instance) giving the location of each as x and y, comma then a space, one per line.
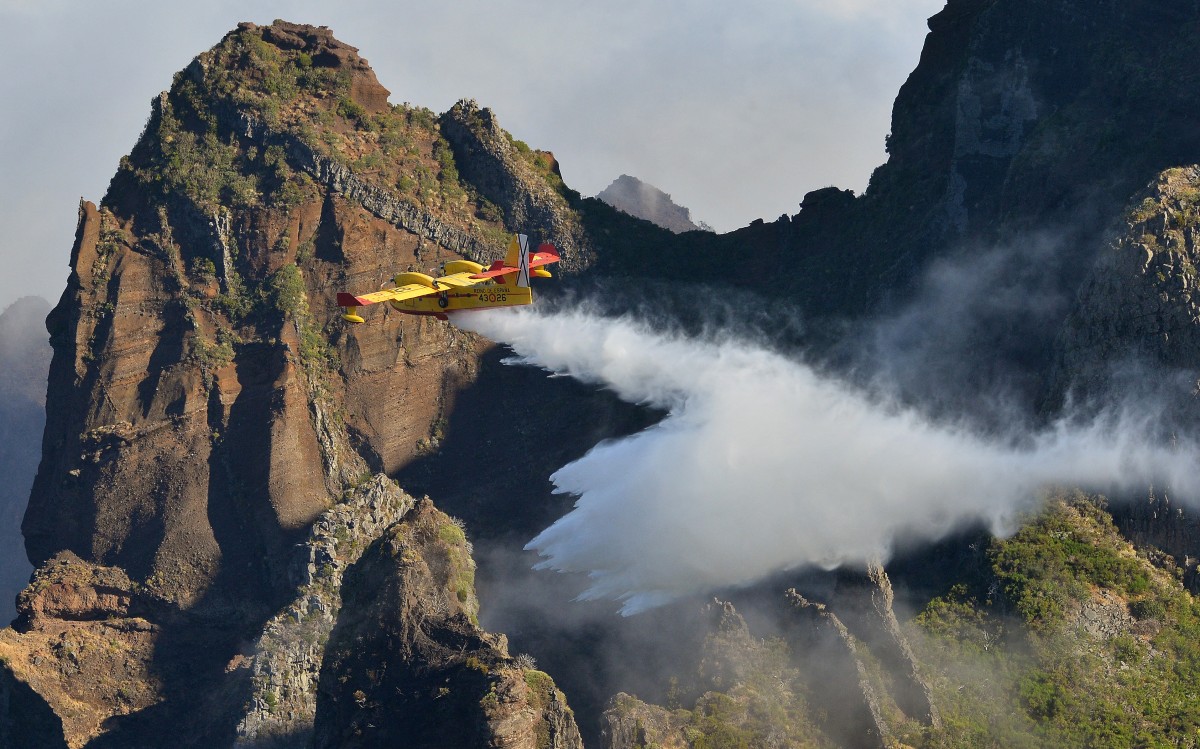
736, 110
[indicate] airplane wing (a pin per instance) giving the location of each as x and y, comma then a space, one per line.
408, 291
546, 254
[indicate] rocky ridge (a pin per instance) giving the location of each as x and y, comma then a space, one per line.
1141, 301
213, 425
848, 680
407, 661
209, 412
286, 664
527, 183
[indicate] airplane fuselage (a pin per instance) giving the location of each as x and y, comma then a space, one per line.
455, 299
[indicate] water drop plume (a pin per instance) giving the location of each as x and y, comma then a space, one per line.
763, 464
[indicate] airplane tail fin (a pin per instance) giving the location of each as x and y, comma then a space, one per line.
522, 260
514, 251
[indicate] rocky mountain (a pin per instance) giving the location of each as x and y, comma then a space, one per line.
24, 361
1026, 125
213, 427
644, 201
226, 523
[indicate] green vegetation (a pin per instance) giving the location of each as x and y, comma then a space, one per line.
461, 567
1061, 635
202, 269
1144, 210
110, 238
490, 701
472, 662
746, 692
1051, 563
235, 302
1029, 667
212, 356
452, 534
541, 688
284, 291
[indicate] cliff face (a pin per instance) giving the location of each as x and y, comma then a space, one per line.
1141, 300
1134, 333
407, 662
1021, 118
24, 360
1030, 116
222, 556
213, 426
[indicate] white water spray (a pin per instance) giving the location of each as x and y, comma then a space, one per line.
763, 465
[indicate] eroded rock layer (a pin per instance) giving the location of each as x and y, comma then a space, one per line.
213, 425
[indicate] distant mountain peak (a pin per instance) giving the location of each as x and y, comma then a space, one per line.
645, 201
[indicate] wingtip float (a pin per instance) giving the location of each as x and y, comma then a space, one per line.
465, 285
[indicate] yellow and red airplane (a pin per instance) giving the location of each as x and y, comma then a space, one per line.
465, 285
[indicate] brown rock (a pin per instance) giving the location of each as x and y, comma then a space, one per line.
319, 44
408, 664
84, 652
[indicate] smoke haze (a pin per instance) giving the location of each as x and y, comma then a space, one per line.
24, 362
763, 464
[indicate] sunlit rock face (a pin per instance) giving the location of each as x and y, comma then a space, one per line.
213, 423
218, 441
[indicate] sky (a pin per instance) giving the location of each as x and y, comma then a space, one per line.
736, 110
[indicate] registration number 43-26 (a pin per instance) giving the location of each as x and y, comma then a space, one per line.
493, 297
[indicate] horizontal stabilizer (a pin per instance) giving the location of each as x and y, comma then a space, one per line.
546, 254
348, 300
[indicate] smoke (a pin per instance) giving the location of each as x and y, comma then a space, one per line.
24, 362
763, 464
977, 337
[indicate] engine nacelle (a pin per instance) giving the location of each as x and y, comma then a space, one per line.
411, 277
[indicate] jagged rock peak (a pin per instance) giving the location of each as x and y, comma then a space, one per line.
207, 405
407, 662
526, 184
318, 48
645, 201
1140, 305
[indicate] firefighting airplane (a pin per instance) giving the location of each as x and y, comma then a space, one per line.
466, 285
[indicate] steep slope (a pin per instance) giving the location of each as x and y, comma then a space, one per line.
24, 361
1139, 301
1023, 121
218, 442
1084, 642
212, 425
407, 662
